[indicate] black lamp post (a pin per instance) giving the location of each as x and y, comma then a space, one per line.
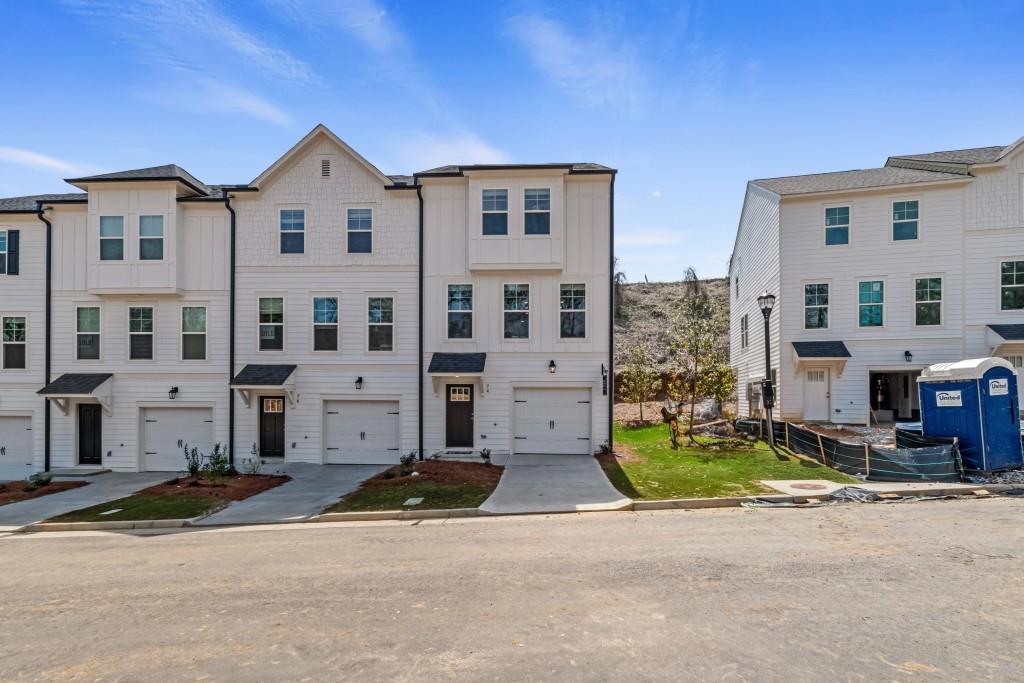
766, 302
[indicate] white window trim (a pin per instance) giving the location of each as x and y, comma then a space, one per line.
507, 212
849, 226
128, 328
284, 319
885, 301
5, 251
529, 311
74, 352
304, 231
549, 212
182, 333
828, 307
394, 321
471, 311
162, 238
744, 331
999, 286
942, 300
123, 238
313, 324
28, 364
558, 307
372, 231
892, 221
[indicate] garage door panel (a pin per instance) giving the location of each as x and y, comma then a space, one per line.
164, 427
361, 432
15, 448
552, 420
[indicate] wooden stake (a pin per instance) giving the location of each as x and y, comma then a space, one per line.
787, 436
821, 448
867, 460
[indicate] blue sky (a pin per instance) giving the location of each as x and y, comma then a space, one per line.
688, 100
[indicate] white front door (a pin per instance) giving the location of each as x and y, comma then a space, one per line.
162, 428
816, 395
15, 448
361, 433
552, 421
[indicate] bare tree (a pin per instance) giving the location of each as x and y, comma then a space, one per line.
639, 382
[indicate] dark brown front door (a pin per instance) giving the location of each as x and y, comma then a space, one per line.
90, 434
271, 427
459, 416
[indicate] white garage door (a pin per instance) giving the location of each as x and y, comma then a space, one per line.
15, 448
552, 421
163, 427
361, 432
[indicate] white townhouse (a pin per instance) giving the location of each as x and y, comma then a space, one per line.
298, 315
879, 273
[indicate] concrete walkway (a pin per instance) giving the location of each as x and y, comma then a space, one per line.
312, 488
553, 483
101, 489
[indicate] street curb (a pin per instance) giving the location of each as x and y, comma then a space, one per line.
396, 514
109, 526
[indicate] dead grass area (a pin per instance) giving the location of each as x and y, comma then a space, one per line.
629, 413
440, 484
853, 434
238, 487
17, 491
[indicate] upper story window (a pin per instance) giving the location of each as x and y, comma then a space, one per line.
381, 323
360, 231
325, 323
271, 324
516, 320
13, 340
193, 332
460, 311
872, 303
1011, 289
904, 220
928, 301
293, 231
816, 306
495, 212
87, 333
573, 311
744, 331
537, 216
140, 333
3, 252
111, 238
151, 238
837, 225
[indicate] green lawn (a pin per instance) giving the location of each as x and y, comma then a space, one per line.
142, 506
435, 495
653, 470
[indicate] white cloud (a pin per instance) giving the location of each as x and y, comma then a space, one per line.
365, 20
207, 95
26, 157
649, 237
656, 194
425, 150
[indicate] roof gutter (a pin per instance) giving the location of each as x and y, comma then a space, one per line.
40, 212
419, 347
231, 333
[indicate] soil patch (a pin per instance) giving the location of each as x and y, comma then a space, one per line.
438, 484
238, 487
441, 472
14, 491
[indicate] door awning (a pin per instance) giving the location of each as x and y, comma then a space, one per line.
1005, 337
69, 386
457, 364
262, 378
832, 352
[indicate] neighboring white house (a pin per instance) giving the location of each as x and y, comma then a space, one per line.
879, 273
294, 313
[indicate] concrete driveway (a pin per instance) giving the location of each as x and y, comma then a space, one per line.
101, 489
312, 488
553, 483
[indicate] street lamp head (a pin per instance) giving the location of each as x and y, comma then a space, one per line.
766, 302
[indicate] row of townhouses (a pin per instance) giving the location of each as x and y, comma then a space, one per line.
879, 273
323, 313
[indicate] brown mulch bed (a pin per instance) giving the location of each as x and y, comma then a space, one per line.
14, 491
238, 487
442, 472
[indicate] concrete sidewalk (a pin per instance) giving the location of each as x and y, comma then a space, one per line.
312, 488
101, 489
553, 483
812, 487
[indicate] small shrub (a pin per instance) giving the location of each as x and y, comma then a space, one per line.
217, 468
41, 479
388, 474
254, 464
193, 458
485, 453
408, 463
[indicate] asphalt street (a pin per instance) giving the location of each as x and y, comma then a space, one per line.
922, 591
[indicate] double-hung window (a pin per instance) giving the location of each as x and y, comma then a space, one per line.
927, 301
193, 332
837, 225
573, 311
1011, 285
495, 212
380, 323
904, 220
87, 333
871, 295
816, 306
537, 212
13, 341
360, 231
111, 238
3, 252
293, 231
140, 333
151, 238
271, 324
460, 311
325, 323
517, 312
744, 331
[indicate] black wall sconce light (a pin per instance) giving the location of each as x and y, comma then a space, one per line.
173, 393
908, 356
359, 382
552, 367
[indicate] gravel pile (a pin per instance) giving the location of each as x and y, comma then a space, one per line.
1007, 477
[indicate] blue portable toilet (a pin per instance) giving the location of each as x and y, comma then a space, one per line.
975, 400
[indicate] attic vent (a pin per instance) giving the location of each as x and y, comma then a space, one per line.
325, 168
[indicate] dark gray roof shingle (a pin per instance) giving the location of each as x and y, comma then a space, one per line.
28, 204
821, 349
1009, 332
263, 375
851, 180
975, 155
457, 363
74, 383
459, 169
164, 172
